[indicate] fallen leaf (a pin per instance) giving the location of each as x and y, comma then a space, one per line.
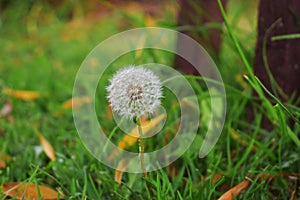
3, 160
108, 114
122, 165
22, 94
236, 136
150, 21
6, 110
2, 164
235, 191
294, 196
47, 147
29, 191
189, 103
76, 102
216, 177
131, 138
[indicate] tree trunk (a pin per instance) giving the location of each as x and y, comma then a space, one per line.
277, 17
198, 13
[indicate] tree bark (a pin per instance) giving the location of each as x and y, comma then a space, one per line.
277, 17
197, 13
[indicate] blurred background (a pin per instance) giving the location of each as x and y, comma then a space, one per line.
43, 41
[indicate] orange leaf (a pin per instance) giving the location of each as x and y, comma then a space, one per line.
122, 165
6, 110
48, 149
129, 139
76, 102
108, 114
2, 164
29, 191
3, 160
22, 94
294, 196
150, 21
235, 191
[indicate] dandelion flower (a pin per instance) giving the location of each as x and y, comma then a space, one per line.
134, 91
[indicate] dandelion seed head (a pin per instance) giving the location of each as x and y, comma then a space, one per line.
134, 91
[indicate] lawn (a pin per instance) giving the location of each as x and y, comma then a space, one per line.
42, 48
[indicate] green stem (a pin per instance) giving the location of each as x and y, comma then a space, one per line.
286, 37
235, 41
141, 147
251, 79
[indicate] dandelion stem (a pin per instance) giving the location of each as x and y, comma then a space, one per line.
141, 146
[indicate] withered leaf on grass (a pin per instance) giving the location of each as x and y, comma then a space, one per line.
47, 147
235, 191
131, 138
22, 94
122, 165
21, 190
76, 102
4, 159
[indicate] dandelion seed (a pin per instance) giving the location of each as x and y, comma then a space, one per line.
134, 92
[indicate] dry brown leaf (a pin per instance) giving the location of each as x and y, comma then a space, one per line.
22, 94
76, 102
186, 102
122, 165
131, 138
3, 160
2, 164
294, 196
108, 114
18, 189
235, 191
215, 178
47, 147
6, 110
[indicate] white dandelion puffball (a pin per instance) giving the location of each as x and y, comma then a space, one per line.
134, 91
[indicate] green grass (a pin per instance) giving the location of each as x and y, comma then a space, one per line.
44, 53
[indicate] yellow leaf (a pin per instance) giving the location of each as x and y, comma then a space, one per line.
236, 136
122, 165
150, 21
235, 191
21, 190
47, 147
192, 104
130, 138
22, 94
76, 102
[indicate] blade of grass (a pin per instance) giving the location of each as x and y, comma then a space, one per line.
235, 41
286, 37
283, 125
249, 148
273, 82
278, 101
253, 82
